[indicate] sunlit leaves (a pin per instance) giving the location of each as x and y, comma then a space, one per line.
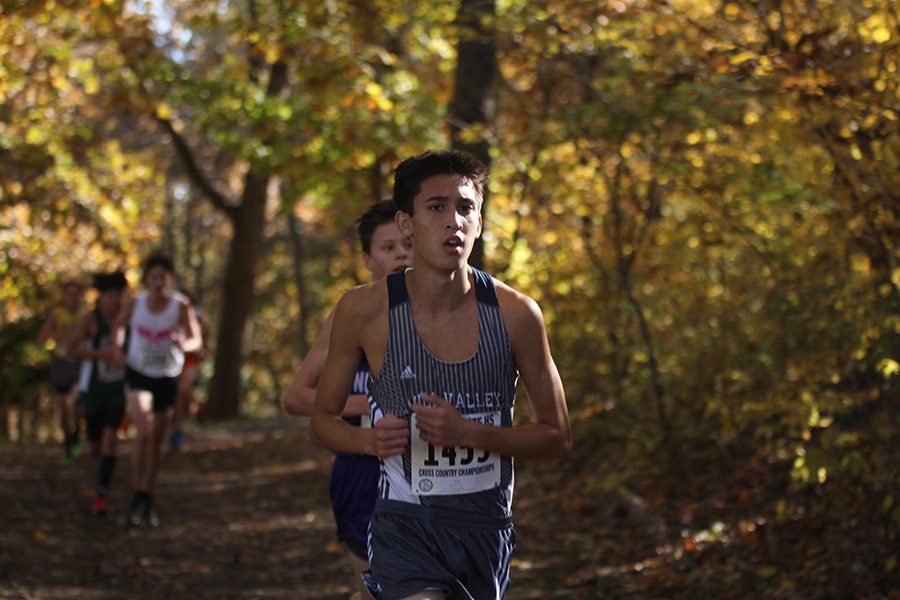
735, 121
877, 28
64, 179
733, 166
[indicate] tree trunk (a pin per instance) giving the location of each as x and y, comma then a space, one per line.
4, 421
238, 290
624, 264
296, 231
470, 110
248, 219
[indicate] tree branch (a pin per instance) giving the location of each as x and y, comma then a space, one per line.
193, 170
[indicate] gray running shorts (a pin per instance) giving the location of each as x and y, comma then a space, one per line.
413, 549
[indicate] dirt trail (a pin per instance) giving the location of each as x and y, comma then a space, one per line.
244, 514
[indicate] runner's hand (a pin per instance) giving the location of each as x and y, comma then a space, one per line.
109, 354
391, 436
177, 339
116, 356
440, 424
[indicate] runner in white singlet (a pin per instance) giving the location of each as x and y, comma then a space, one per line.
161, 328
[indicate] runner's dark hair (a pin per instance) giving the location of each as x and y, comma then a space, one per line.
410, 174
376, 215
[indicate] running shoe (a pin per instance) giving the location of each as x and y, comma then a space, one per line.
150, 518
136, 512
101, 506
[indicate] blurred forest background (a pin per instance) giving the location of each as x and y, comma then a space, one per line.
704, 197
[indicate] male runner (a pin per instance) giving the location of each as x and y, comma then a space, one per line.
162, 327
189, 379
102, 383
354, 477
445, 344
55, 333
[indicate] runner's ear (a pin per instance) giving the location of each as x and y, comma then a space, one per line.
404, 223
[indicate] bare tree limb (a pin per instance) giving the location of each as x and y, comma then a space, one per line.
197, 177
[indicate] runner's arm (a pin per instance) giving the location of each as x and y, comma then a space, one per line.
190, 339
83, 329
344, 356
118, 329
206, 347
301, 395
48, 329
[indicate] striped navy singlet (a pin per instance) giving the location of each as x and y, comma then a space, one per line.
484, 383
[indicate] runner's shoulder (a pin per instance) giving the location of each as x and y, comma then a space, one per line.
521, 312
362, 305
515, 305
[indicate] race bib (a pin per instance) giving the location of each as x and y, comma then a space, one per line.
107, 372
443, 470
156, 357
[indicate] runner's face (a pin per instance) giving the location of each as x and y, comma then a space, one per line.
159, 281
72, 297
391, 251
446, 221
109, 302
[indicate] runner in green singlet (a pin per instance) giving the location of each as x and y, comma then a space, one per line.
102, 383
